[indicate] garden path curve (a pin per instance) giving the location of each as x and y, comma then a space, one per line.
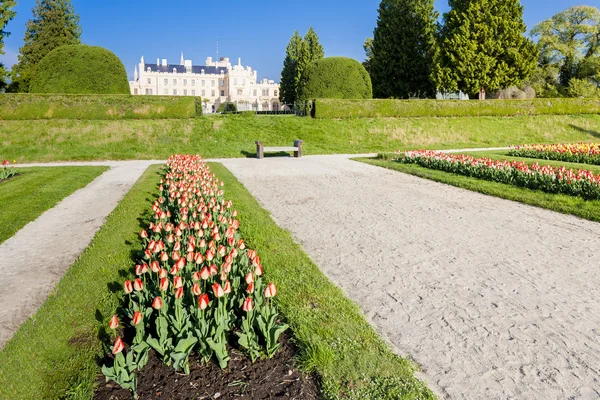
493, 298
37, 256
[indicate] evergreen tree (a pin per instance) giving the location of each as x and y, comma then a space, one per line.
482, 47
6, 14
403, 49
300, 52
368, 47
54, 24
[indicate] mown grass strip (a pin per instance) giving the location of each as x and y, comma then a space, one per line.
54, 354
334, 338
35, 190
556, 202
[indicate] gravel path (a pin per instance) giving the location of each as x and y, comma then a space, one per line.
36, 258
494, 299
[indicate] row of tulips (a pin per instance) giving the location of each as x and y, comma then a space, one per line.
197, 286
537, 177
585, 153
6, 171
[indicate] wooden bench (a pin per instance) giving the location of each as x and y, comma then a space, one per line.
260, 149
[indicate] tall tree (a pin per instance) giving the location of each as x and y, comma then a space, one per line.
403, 49
54, 24
570, 42
483, 47
368, 47
6, 14
299, 53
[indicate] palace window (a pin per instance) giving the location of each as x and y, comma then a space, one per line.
193, 92
185, 82
240, 92
174, 92
149, 80
148, 91
223, 83
212, 83
203, 92
275, 93
212, 93
222, 93
202, 82
166, 82
193, 82
185, 92
174, 81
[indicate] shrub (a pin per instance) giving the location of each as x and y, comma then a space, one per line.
80, 69
335, 78
512, 92
582, 88
227, 107
198, 105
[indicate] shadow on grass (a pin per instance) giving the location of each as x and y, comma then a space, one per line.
595, 134
248, 154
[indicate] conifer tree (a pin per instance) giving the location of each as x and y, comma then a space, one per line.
54, 24
6, 14
403, 49
483, 47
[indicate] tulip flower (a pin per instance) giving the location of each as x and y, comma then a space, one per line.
141, 269
177, 282
154, 266
258, 271
178, 292
162, 273
138, 285
218, 290
210, 255
196, 276
213, 270
137, 318
174, 270
196, 290
114, 322
144, 234
248, 305
164, 284
180, 263
118, 346
198, 258
128, 287
249, 278
271, 290
164, 257
175, 256
157, 303
227, 287
203, 301
204, 273
250, 288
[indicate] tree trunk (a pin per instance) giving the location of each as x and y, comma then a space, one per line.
482, 94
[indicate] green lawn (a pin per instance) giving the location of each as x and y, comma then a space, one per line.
26, 196
54, 354
557, 202
234, 135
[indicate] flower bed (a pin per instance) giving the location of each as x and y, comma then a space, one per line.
546, 178
197, 286
6, 172
585, 153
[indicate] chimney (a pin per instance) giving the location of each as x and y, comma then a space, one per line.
164, 62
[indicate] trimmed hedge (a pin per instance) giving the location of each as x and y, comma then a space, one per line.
71, 106
80, 69
335, 78
227, 108
338, 108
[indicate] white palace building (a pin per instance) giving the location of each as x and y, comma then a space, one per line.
216, 82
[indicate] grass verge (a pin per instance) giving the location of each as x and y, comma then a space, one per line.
54, 354
234, 135
334, 338
556, 202
26, 196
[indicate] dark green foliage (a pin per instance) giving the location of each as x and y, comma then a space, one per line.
333, 108
227, 108
54, 24
299, 54
198, 106
6, 14
336, 78
80, 69
482, 47
403, 49
26, 106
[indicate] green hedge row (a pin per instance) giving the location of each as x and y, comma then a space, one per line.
338, 108
74, 106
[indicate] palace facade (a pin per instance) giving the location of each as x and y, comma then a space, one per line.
215, 82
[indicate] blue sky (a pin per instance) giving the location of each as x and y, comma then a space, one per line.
256, 31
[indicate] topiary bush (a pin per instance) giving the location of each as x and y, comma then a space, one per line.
80, 69
335, 78
227, 107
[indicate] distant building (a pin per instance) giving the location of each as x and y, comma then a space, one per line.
215, 82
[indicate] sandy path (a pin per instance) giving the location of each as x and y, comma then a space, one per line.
494, 299
36, 257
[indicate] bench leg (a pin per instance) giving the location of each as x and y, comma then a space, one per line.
260, 153
298, 144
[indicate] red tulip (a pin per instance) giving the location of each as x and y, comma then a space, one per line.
249, 278
180, 263
203, 242
241, 245
198, 258
141, 269
196, 289
248, 305
213, 270
234, 253
128, 287
227, 287
177, 282
230, 241
118, 346
218, 290
171, 238
164, 257
178, 292
190, 247
138, 285
157, 303
144, 234
154, 266
251, 254
114, 322
226, 267
174, 270
205, 273
137, 318
162, 273
196, 276
271, 290
189, 257
258, 271
210, 255
164, 284
222, 250
175, 256
203, 301
250, 288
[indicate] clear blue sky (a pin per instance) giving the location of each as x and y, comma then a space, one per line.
256, 31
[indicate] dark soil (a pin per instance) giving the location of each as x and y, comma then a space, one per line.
274, 378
